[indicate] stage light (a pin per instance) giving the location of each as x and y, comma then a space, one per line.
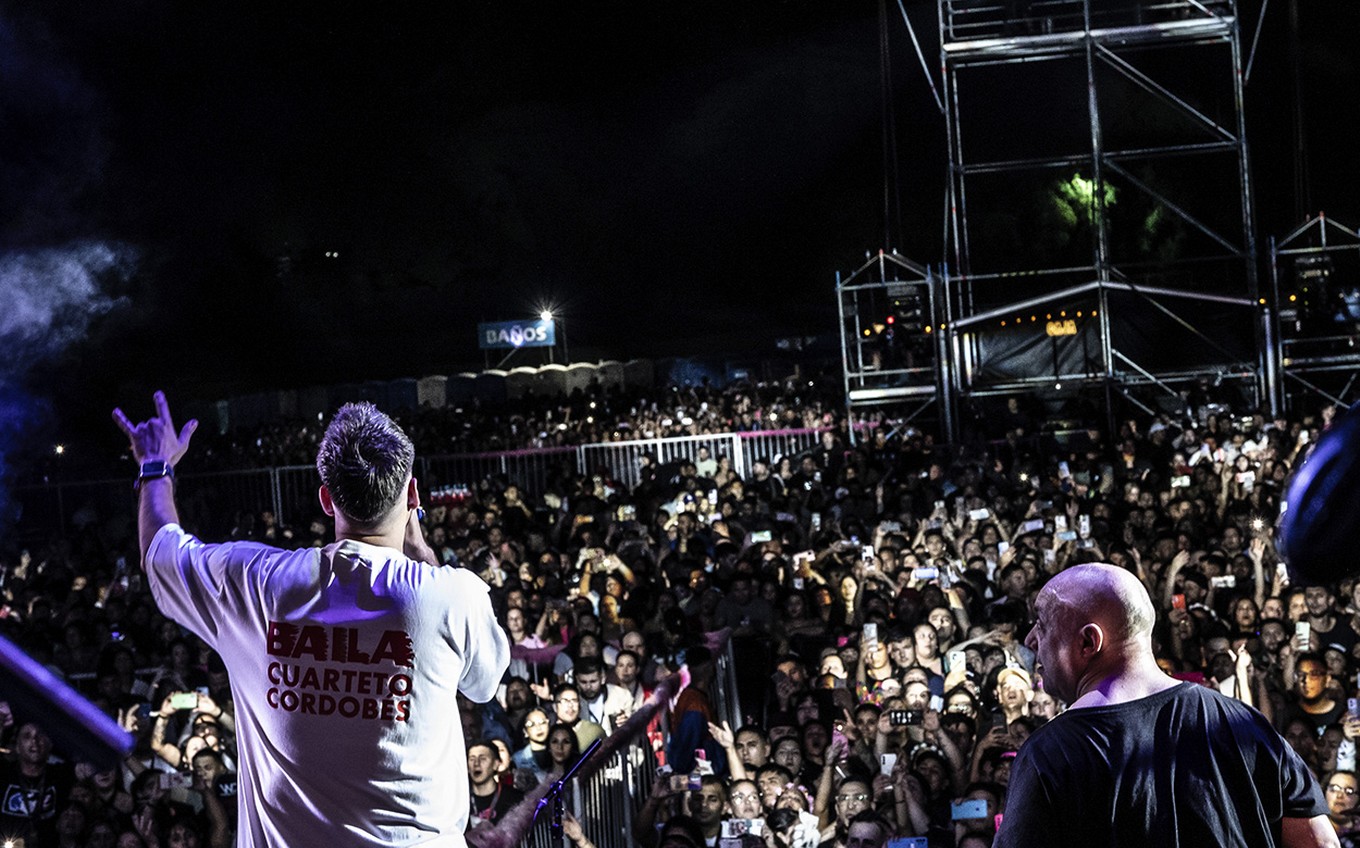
59, 450
1262, 301
545, 315
1293, 297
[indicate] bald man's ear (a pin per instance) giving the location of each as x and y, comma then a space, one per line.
1092, 639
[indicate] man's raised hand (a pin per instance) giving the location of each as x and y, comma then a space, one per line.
155, 438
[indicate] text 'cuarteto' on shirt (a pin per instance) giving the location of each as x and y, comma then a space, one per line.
345, 662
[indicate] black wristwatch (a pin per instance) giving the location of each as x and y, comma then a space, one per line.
153, 470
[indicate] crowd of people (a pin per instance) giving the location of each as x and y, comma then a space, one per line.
595, 415
875, 593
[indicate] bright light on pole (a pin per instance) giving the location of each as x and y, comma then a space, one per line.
545, 315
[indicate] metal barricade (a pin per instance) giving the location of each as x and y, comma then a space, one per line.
532, 470
212, 501
59, 508
216, 502
298, 500
680, 448
606, 802
768, 444
620, 460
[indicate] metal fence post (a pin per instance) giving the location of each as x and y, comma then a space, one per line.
739, 456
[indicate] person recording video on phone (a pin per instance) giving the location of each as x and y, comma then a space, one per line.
345, 661
1139, 758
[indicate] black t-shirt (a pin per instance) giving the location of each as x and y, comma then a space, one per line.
491, 808
1183, 767
1319, 720
29, 807
1341, 634
224, 787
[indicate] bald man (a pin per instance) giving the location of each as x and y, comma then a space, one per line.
1139, 758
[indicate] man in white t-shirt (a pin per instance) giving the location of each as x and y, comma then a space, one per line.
345, 661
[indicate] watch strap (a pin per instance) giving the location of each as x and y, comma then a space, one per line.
153, 470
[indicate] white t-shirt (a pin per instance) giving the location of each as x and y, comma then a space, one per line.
344, 665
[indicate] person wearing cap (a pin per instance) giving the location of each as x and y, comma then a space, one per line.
1014, 691
1140, 758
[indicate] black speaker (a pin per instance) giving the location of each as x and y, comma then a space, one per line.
1320, 522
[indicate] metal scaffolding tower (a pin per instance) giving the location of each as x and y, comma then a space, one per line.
1315, 285
1098, 167
892, 350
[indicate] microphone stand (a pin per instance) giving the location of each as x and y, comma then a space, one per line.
554, 795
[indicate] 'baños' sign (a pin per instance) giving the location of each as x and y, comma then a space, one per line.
503, 335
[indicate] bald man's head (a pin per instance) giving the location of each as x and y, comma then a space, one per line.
1105, 595
1093, 636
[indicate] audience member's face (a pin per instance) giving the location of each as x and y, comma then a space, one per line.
865, 835
770, 786
634, 641
1043, 705
589, 684
902, 652
962, 704
627, 670
927, 640
708, 804
516, 695
1327, 747
815, 740
1012, 692
568, 706
943, 622
1340, 793
1298, 608
1318, 600
1300, 736
834, 666
789, 754
1311, 679
33, 745
1273, 635
851, 799
745, 800
752, 748
536, 726
560, 742
481, 763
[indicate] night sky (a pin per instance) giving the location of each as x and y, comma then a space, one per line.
675, 178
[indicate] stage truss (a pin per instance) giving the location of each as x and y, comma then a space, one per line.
1315, 285
1089, 104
